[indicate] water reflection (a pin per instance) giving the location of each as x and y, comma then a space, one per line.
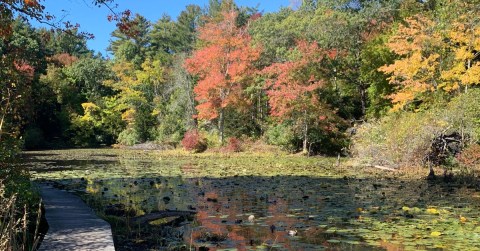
326, 213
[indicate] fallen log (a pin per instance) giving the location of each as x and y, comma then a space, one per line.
160, 215
385, 168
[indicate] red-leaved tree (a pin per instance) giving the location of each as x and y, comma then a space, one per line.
222, 65
292, 88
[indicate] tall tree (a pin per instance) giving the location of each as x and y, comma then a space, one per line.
216, 8
222, 65
375, 54
88, 74
168, 36
417, 72
21, 56
72, 43
277, 32
131, 45
464, 44
187, 23
293, 88
164, 38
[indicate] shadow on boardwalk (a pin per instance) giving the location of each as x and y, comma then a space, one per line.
72, 224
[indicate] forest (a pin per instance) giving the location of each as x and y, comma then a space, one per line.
301, 79
392, 84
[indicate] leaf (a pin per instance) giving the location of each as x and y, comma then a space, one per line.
333, 241
432, 211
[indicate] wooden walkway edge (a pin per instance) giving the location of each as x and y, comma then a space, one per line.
72, 224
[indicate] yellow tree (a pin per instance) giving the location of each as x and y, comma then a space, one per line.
126, 84
417, 72
138, 93
152, 76
464, 41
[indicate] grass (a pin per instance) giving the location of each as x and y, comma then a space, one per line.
18, 229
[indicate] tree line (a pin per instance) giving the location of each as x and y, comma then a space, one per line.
299, 77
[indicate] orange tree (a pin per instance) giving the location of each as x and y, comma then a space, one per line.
223, 65
294, 87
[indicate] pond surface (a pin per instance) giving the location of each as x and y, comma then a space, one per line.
263, 202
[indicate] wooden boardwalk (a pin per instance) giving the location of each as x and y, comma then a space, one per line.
72, 224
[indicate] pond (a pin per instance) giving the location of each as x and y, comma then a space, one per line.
250, 201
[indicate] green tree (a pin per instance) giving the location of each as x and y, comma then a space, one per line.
164, 38
131, 45
277, 33
58, 42
374, 55
21, 56
187, 24
177, 112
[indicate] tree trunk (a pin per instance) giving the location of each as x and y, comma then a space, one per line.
363, 99
221, 122
305, 134
469, 64
431, 174
305, 142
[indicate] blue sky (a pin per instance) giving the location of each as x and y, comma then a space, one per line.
94, 20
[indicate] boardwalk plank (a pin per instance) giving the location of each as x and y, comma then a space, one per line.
72, 224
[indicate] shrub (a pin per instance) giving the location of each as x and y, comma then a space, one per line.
281, 135
128, 137
397, 140
16, 224
405, 138
19, 212
82, 132
234, 145
9, 148
470, 157
33, 138
193, 141
163, 133
212, 138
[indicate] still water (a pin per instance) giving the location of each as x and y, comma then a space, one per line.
260, 203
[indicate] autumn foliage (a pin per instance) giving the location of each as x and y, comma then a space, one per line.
470, 157
465, 46
193, 141
293, 88
288, 76
234, 145
416, 72
432, 59
222, 65
291, 85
